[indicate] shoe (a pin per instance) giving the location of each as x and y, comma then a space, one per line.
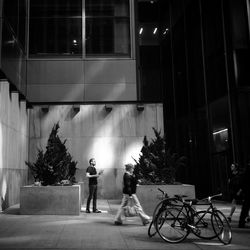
97, 211
87, 211
118, 223
145, 222
229, 219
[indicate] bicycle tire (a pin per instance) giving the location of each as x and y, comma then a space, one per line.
222, 227
203, 227
171, 225
152, 228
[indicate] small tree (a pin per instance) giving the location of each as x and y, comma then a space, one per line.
55, 165
156, 164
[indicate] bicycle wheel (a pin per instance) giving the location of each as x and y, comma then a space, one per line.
222, 227
203, 227
151, 229
159, 207
171, 225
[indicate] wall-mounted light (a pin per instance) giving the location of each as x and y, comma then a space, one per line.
45, 108
140, 107
76, 108
165, 31
220, 131
29, 105
155, 30
141, 30
108, 107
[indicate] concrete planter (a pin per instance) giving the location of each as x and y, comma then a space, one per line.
149, 194
50, 200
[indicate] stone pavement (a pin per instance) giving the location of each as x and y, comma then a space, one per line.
97, 231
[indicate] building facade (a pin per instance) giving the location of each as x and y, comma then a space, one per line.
190, 55
199, 51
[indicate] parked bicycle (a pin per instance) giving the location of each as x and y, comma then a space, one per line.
174, 218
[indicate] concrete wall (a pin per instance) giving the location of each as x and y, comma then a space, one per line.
112, 138
51, 80
13, 145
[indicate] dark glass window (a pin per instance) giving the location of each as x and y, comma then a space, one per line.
55, 27
14, 12
180, 75
150, 33
107, 28
194, 55
214, 49
240, 40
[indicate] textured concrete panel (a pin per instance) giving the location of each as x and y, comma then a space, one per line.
65, 80
55, 72
10, 182
110, 71
110, 92
13, 145
54, 200
112, 138
55, 93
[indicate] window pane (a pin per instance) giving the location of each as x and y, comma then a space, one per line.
14, 12
55, 27
55, 8
107, 27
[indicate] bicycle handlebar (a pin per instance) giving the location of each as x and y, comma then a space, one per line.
182, 197
209, 198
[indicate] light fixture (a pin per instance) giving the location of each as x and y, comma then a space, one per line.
165, 32
141, 30
108, 107
76, 108
29, 105
45, 108
140, 107
155, 30
220, 131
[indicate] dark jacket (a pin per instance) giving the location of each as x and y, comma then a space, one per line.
245, 183
129, 184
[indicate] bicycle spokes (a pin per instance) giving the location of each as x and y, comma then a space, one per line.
171, 225
222, 227
203, 225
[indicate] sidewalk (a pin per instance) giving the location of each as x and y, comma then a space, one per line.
97, 231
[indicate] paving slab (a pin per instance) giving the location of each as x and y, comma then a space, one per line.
97, 231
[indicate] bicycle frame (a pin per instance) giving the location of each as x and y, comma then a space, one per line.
192, 213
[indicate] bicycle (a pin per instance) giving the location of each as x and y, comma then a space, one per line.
165, 201
174, 218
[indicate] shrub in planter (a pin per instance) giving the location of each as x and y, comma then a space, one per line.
156, 163
55, 166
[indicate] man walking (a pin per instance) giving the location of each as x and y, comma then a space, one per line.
92, 175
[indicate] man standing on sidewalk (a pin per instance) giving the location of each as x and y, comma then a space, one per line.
92, 175
245, 187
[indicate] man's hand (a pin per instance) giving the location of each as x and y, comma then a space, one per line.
100, 172
239, 192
